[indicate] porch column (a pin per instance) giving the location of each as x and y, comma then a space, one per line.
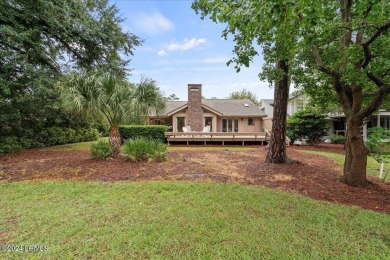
365, 132
378, 122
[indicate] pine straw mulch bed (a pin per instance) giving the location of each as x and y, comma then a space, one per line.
311, 175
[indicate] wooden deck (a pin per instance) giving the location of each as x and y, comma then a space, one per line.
217, 137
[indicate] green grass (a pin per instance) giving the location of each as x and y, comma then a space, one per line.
72, 147
181, 220
372, 165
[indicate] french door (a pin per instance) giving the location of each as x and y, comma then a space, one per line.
229, 125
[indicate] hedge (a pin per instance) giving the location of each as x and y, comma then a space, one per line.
143, 131
55, 135
47, 137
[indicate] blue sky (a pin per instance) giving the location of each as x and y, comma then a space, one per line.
179, 48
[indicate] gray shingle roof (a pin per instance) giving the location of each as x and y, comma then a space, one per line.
226, 107
173, 105
234, 107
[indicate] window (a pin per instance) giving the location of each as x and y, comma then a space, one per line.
181, 122
251, 121
229, 125
208, 121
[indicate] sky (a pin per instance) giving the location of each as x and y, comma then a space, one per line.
180, 48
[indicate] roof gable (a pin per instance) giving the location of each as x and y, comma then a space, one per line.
221, 107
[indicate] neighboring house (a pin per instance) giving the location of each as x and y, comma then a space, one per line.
267, 106
222, 115
337, 125
297, 101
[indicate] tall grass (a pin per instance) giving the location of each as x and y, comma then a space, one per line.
142, 149
101, 150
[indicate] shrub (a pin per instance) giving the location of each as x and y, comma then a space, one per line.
338, 139
101, 150
140, 131
57, 135
306, 124
141, 149
9, 144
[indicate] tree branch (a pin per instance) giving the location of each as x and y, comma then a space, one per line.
320, 65
366, 44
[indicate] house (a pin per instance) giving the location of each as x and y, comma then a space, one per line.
267, 106
336, 121
297, 101
221, 115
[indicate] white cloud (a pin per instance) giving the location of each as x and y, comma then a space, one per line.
162, 53
186, 44
154, 23
183, 46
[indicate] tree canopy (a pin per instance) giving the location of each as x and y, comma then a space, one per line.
42, 40
339, 46
244, 94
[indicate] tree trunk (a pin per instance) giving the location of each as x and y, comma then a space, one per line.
277, 146
115, 139
356, 152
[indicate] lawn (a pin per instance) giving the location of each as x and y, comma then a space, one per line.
372, 165
183, 220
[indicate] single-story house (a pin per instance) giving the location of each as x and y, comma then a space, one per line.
220, 115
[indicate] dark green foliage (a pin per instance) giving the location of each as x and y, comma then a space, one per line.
338, 139
306, 124
9, 144
142, 149
149, 132
101, 150
56, 135
40, 41
47, 137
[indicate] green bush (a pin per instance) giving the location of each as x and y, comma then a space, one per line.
142, 149
338, 139
47, 137
306, 124
140, 131
56, 135
101, 150
9, 144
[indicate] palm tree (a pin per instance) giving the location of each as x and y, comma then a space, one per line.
112, 99
148, 98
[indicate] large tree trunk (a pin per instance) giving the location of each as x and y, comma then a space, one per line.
355, 156
115, 139
277, 146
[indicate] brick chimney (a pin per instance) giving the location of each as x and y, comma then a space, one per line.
195, 111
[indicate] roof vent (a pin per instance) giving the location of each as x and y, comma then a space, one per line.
246, 105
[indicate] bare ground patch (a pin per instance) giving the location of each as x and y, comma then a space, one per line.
311, 175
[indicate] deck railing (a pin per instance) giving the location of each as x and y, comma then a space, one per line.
216, 137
